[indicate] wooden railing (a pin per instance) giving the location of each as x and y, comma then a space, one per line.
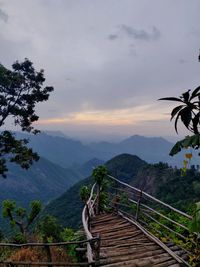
158, 217
47, 248
93, 245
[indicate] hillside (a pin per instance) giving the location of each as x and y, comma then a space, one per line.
170, 186
159, 180
67, 208
44, 181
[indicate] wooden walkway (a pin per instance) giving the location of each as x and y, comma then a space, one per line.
125, 244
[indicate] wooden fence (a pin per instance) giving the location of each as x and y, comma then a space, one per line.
47, 248
158, 217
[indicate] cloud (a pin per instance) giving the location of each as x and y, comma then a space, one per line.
182, 61
96, 65
3, 16
136, 34
116, 117
112, 37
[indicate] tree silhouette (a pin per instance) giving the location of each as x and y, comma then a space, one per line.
189, 113
20, 90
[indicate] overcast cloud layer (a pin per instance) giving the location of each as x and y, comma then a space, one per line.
109, 60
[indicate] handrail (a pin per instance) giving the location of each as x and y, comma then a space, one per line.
160, 214
148, 210
152, 198
88, 211
47, 246
43, 244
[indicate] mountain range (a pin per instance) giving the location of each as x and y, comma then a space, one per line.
68, 152
64, 162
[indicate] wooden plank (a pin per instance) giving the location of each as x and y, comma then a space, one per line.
156, 240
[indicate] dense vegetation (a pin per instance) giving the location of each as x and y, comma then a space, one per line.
44, 181
67, 208
170, 186
162, 181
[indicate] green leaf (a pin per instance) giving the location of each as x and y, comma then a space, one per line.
186, 142
175, 149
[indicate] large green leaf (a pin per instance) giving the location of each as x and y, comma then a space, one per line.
175, 149
189, 141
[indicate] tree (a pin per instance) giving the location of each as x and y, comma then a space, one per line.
99, 174
49, 229
20, 90
84, 193
189, 113
19, 216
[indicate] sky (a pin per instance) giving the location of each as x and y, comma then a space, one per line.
108, 60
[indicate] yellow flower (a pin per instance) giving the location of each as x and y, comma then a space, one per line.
188, 155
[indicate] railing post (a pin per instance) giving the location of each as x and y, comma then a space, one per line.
138, 205
116, 200
98, 245
48, 251
95, 245
98, 198
88, 215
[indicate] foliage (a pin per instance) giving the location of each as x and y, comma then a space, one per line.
99, 174
195, 224
189, 113
18, 238
20, 90
5, 253
192, 141
49, 229
25, 254
68, 235
19, 216
84, 193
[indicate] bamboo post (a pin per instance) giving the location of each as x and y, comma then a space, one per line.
138, 205
98, 198
95, 246
98, 245
116, 201
88, 215
48, 251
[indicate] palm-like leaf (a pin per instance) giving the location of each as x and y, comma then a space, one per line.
171, 99
195, 93
189, 111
